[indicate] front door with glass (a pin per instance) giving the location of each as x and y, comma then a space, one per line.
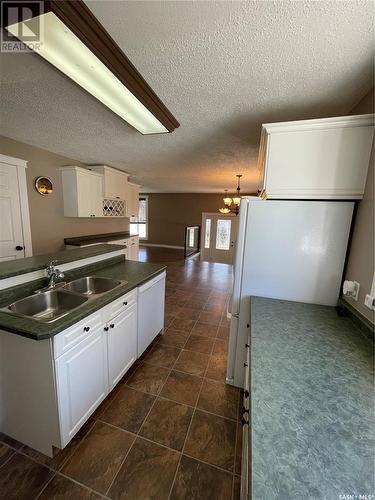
219, 233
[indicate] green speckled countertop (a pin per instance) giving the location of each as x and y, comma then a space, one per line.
97, 238
312, 403
135, 273
30, 264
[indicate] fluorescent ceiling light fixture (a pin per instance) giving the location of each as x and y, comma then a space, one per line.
66, 51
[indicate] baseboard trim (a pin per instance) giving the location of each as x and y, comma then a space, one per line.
192, 255
366, 327
160, 245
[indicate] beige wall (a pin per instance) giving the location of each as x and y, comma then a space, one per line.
169, 214
49, 227
361, 257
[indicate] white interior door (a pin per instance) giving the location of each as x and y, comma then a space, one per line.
219, 234
11, 233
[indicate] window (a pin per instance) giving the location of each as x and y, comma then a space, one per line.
223, 234
207, 234
138, 225
191, 237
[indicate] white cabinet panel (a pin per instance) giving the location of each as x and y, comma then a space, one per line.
115, 182
316, 159
133, 200
82, 383
82, 192
133, 248
122, 344
151, 297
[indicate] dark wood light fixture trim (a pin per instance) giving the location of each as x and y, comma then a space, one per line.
82, 22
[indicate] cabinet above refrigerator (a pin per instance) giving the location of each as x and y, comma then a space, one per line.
326, 158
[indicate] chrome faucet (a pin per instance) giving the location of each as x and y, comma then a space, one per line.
53, 275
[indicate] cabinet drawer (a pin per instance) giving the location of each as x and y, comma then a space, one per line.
122, 303
70, 337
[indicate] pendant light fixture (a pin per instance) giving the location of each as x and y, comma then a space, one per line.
232, 205
74, 41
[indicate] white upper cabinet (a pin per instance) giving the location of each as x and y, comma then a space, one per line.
316, 159
133, 200
115, 182
82, 192
98, 191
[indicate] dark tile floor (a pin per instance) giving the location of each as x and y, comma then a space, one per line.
169, 430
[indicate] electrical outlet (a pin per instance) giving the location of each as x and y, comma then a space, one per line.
351, 289
356, 291
370, 302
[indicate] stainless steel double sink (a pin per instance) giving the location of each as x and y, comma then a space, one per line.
50, 305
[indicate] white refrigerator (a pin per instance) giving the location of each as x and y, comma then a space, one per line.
286, 249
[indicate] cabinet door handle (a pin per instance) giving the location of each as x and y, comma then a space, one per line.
112, 325
106, 328
19, 248
245, 365
86, 329
125, 303
247, 345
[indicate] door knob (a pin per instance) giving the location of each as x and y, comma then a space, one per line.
19, 248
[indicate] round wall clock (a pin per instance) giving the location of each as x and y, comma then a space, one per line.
43, 185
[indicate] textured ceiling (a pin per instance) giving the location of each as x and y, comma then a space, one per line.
222, 68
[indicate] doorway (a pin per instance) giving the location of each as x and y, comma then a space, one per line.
218, 237
15, 236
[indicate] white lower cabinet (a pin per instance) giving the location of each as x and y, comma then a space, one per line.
122, 344
131, 247
60, 381
82, 383
87, 372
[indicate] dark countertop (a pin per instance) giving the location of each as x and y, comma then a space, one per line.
97, 238
21, 266
312, 403
135, 273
